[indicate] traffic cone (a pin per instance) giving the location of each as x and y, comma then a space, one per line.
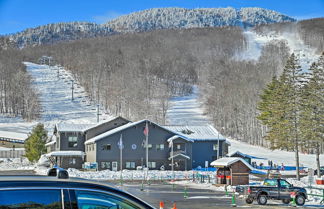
161, 205
174, 206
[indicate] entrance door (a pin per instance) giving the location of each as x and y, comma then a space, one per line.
114, 166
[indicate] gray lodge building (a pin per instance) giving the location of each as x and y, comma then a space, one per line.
77, 145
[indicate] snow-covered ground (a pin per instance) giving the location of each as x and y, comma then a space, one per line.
55, 98
277, 156
187, 110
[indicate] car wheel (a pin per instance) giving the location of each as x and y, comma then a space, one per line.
249, 200
262, 199
286, 201
300, 200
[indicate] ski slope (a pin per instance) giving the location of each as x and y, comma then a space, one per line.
187, 110
55, 94
255, 43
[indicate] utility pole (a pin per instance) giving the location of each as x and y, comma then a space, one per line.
97, 113
72, 89
172, 160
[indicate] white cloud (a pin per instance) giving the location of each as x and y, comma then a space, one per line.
106, 17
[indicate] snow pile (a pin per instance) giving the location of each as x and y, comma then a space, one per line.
16, 164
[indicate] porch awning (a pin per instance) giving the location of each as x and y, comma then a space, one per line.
65, 154
181, 155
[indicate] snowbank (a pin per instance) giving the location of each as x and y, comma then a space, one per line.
15, 164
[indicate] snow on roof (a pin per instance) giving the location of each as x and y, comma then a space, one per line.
123, 127
68, 127
176, 137
227, 161
13, 135
246, 155
103, 122
197, 132
50, 143
65, 154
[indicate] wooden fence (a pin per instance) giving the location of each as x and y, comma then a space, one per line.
12, 153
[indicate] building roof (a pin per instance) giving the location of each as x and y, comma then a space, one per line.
176, 137
13, 135
123, 127
246, 155
68, 127
197, 133
227, 161
179, 155
65, 154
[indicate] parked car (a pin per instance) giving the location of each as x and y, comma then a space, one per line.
276, 189
58, 191
321, 171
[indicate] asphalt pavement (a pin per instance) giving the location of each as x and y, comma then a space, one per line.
192, 198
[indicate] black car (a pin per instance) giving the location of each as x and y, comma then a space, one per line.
61, 192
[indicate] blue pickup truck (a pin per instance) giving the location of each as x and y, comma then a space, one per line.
276, 189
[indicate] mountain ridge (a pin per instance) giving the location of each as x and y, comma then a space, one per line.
147, 20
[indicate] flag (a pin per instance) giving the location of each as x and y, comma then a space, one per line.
120, 143
146, 130
170, 143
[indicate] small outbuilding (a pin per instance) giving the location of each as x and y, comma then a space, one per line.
232, 171
246, 157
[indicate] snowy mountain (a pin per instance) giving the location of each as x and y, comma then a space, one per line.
146, 20
53, 33
167, 18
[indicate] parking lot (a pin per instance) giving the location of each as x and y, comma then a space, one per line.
197, 198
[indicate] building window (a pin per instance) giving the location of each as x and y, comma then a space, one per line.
73, 141
152, 164
130, 164
106, 147
215, 147
149, 145
178, 146
160, 147
72, 161
105, 165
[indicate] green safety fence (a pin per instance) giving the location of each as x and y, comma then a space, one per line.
317, 195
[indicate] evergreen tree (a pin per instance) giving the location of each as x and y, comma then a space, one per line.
280, 107
312, 114
35, 143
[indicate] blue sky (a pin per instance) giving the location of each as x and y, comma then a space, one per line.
17, 15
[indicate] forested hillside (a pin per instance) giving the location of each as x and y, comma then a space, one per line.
135, 74
17, 97
148, 20
167, 18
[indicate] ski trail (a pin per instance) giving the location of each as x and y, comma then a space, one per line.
55, 95
255, 43
187, 110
